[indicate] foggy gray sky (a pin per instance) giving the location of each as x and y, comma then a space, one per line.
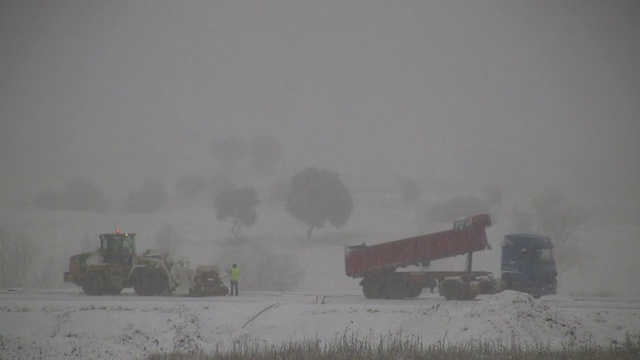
531, 93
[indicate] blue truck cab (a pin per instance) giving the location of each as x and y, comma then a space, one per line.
528, 264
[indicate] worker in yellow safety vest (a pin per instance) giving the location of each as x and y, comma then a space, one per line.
234, 274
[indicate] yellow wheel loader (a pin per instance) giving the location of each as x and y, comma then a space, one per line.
116, 265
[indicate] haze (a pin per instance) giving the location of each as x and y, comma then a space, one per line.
526, 94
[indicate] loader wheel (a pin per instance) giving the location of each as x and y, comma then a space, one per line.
113, 289
161, 284
143, 281
94, 284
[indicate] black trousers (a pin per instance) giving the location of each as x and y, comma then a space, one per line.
234, 288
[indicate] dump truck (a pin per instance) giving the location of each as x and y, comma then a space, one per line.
527, 264
116, 265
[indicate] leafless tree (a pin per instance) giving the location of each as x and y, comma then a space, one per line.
17, 256
549, 215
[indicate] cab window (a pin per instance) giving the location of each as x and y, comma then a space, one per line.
127, 245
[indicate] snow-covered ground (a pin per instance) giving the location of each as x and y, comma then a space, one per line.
64, 323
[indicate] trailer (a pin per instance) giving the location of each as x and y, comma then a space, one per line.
527, 264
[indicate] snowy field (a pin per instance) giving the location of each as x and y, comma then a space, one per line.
322, 303
57, 324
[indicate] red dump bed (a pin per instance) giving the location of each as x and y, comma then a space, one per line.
468, 235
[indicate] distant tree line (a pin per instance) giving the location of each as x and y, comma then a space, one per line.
77, 195
80, 194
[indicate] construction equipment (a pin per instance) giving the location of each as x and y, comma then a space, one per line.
527, 264
116, 265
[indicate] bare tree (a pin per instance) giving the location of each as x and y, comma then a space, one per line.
168, 240
45, 277
549, 215
87, 243
149, 198
17, 254
238, 206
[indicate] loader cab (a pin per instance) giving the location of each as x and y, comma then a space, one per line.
118, 248
528, 264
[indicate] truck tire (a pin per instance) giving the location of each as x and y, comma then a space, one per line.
388, 286
371, 288
370, 291
393, 289
449, 289
413, 291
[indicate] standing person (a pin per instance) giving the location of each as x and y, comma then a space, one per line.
234, 275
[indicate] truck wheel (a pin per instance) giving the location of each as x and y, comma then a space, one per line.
393, 289
371, 289
413, 291
449, 289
